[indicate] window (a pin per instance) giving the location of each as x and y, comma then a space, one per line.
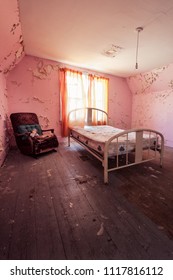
79, 90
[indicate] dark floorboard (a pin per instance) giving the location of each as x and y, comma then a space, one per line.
57, 207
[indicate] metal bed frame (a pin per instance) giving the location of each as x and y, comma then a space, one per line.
151, 152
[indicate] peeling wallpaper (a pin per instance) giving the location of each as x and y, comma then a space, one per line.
11, 52
33, 85
153, 100
4, 139
12, 48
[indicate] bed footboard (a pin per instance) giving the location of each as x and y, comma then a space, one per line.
148, 145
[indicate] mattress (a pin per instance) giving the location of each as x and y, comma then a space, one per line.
94, 137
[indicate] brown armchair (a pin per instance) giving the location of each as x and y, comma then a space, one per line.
23, 124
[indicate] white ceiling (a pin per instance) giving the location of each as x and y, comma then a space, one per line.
76, 32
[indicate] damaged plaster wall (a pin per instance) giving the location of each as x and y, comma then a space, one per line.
11, 52
12, 48
33, 86
153, 101
4, 139
120, 103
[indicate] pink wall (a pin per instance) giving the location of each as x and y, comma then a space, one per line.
3, 119
120, 103
12, 49
11, 52
33, 86
153, 100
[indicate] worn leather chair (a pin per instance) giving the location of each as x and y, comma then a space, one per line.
23, 124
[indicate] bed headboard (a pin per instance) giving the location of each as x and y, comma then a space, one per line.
88, 116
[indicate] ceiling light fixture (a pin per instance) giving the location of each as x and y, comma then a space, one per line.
138, 29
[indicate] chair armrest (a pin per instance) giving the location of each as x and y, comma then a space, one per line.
51, 129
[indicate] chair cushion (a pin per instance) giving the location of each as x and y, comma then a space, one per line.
28, 128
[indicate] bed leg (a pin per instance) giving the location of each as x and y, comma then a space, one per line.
105, 177
68, 140
162, 152
105, 165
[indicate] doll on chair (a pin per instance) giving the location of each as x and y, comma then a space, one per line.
34, 134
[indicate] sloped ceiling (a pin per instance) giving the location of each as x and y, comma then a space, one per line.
77, 32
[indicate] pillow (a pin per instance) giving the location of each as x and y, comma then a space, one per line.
28, 128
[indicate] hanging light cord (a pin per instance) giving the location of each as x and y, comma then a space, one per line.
138, 29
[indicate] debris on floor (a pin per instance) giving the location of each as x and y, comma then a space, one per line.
104, 217
161, 227
7, 190
101, 230
151, 168
158, 172
11, 222
49, 172
121, 212
71, 204
81, 179
154, 176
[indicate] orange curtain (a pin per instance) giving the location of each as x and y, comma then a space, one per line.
72, 96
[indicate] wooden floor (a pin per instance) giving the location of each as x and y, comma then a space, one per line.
57, 207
